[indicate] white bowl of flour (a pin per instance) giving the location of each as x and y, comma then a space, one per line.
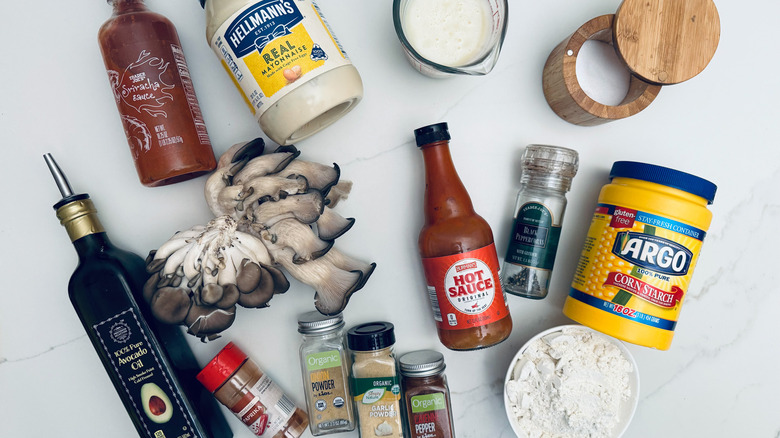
571, 381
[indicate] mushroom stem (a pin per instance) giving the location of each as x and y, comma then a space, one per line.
333, 285
264, 165
306, 207
289, 233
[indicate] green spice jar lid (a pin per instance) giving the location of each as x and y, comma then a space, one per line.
421, 363
315, 322
371, 336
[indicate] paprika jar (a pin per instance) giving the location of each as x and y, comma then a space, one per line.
639, 254
154, 95
458, 254
426, 394
239, 384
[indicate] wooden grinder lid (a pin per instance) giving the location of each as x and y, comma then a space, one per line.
666, 41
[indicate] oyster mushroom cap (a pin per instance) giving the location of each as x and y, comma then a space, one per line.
242, 151
306, 208
299, 237
347, 263
320, 176
331, 225
207, 321
281, 283
210, 294
261, 295
229, 297
265, 164
150, 287
248, 277
170, 305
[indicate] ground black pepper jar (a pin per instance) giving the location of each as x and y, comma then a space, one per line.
426, 395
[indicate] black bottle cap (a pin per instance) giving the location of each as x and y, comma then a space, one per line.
371, 336
432, 133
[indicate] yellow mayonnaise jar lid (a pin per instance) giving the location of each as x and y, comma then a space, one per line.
638, 257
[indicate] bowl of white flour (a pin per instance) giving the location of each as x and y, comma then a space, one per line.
571, 381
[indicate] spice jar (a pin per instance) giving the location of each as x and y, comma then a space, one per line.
325, 370
541, 202
240, 385
426, 395
375, 383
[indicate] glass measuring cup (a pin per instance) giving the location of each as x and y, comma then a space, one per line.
480, 63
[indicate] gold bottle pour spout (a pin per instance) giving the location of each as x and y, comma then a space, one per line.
76, 213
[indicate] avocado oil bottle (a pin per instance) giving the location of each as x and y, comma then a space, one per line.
141, 356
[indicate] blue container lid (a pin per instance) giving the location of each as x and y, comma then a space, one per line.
665, 176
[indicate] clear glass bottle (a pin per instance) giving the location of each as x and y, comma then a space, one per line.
325, 371
541, 202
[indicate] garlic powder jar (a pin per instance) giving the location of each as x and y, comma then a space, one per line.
285, 61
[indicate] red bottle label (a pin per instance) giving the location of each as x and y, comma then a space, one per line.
147, 96
464, 289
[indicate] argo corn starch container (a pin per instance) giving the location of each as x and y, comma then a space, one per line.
639, 254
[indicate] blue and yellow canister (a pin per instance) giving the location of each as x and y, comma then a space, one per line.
640, 252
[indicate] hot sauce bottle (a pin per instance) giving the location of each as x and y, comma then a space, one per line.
154, 95
458, 254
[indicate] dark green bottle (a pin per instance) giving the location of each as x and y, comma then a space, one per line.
150, 364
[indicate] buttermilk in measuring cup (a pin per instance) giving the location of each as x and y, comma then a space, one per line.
444, 37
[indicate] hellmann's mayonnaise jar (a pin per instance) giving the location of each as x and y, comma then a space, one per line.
285, 61
639, 254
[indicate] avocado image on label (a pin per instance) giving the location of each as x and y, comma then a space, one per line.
156, 403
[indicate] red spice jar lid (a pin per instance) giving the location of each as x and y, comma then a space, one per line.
224, 364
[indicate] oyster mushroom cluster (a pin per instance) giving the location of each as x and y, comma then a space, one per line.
273, 211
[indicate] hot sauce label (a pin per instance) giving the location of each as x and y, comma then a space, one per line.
637, 265
464, 289
268, 47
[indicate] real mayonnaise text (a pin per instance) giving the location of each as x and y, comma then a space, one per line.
285, 61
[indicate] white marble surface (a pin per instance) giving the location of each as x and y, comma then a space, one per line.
720, 377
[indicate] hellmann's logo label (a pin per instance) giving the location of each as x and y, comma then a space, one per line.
262, 23
653, 252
